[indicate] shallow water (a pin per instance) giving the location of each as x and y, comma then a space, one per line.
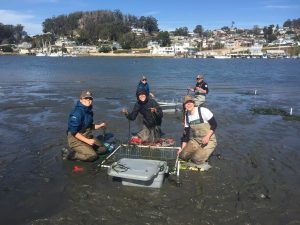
255, 182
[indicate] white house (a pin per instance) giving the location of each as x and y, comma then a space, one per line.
157, 50
138, 31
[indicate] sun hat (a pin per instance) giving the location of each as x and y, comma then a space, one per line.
187, 99
86, 94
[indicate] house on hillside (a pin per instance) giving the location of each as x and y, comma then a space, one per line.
138, 31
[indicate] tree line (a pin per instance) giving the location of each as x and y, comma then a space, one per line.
106, 26
10, 34
90, 27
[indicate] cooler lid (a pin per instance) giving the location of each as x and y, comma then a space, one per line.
137, 169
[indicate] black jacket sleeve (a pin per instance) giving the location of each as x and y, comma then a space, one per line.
134, 113
213, 123
186, 134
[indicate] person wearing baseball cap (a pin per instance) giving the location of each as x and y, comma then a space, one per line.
79, 135
152, 117
198, 139
200, 89
144, 86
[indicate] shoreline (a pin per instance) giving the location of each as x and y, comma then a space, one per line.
146, 55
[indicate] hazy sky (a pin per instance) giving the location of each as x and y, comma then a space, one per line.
170, 14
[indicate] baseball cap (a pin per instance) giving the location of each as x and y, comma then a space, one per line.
200, 76
86, 94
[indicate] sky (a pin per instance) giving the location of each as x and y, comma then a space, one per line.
170, 14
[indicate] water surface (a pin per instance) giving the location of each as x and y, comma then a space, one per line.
255, 182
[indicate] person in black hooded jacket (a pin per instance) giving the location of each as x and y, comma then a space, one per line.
152, 117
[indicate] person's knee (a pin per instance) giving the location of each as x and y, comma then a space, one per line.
90, 157
184, 155
202, 155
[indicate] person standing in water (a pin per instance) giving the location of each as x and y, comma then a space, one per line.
144, 86
200, 89
79, 135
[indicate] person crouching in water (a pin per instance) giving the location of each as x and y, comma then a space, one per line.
198, 140
80, 126
152, 117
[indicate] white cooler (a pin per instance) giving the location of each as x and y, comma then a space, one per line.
139, 172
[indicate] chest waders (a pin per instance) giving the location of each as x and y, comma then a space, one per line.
195, 150
199, 99
82, 150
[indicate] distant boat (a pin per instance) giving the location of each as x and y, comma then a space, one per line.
170, 107
40, 54
222, 57
55, 54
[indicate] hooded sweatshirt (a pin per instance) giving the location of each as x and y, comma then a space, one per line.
150, 119
80, 119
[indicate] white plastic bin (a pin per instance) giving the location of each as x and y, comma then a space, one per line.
139, 172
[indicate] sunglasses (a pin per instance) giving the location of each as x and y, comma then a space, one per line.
199, 78
144, 80
88, 98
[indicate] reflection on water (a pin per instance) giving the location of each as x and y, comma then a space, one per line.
254, 182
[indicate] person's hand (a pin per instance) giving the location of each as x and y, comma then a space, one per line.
190, 88
125, 111
179, 151
205, 140
153, 110
91, 142
152, 95
182, 147
101, 125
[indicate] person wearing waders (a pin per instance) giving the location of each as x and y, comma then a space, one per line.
198, 140
200, 89
152, 117
79, 135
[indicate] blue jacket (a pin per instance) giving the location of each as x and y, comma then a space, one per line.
142, 87
80, 118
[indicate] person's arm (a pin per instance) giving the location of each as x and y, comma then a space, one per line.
74, 127
134, 113
202, 89
184, 139
186, 135
99, 126
189, 88
151, 95
213, 125
156, 109
82, 138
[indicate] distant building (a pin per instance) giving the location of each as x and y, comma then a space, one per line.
157, 50
116, 45
256, 50
276, 53
138, 31
25, 45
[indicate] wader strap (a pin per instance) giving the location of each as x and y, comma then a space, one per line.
196, 122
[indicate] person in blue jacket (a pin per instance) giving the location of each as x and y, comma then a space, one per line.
79, 134
152, 117
144, 86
